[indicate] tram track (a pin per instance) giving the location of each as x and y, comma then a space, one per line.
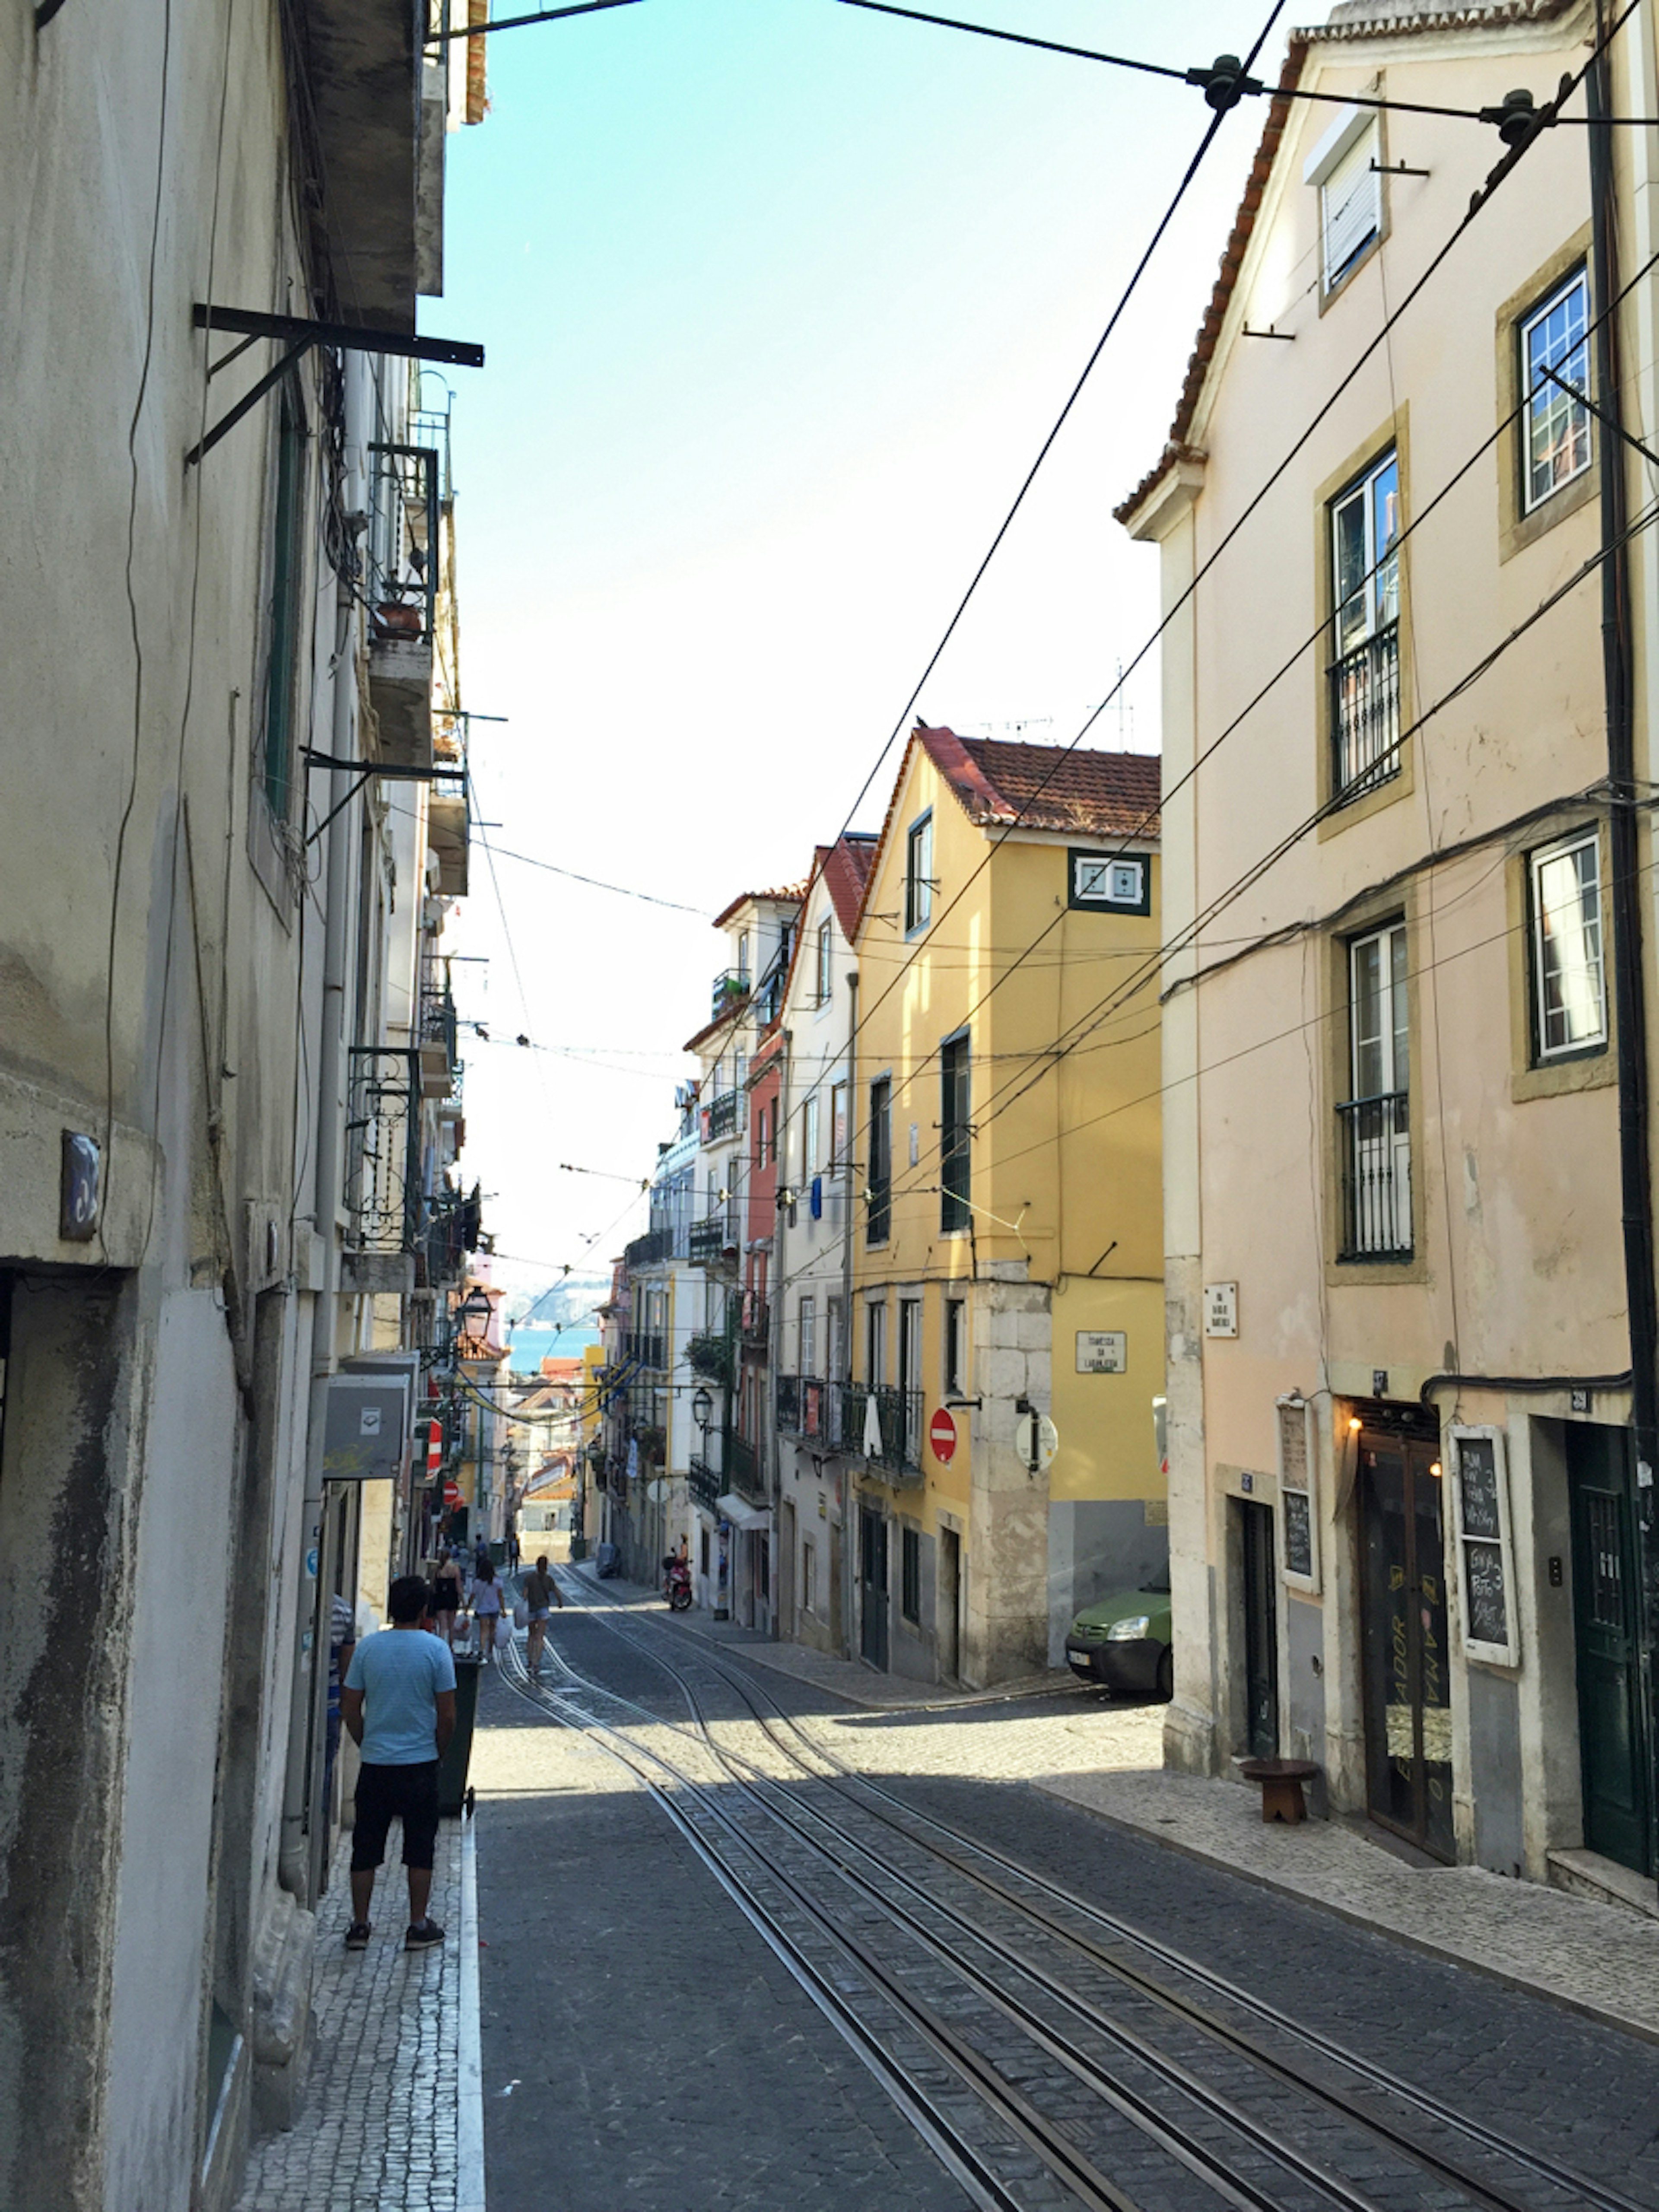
1460, 2152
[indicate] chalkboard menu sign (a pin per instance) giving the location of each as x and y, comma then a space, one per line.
1298, 1534
1483, 1545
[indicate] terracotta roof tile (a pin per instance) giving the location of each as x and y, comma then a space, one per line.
1097, 794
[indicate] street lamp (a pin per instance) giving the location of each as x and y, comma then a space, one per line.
702, 1409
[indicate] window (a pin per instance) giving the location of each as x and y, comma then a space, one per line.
1480, 1516
809, 1336
1555, 336
806, 1575
809, 1139
1569, 1001
287, 561
836, 1329
838, 1125
956, 1134
1343, 167
875, 1342
918, 875
1364, 670
910, 1574
1376, 1121
1118, 881
760, 1137
1298, 1521
742, 960
956, 1347
826, 946
910, 1379
879, 1196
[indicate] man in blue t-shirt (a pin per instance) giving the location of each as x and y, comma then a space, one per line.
398, 1705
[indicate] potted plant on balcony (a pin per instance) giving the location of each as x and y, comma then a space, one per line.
710, 1354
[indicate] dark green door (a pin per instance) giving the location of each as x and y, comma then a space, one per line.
1605, 1569
872, 1587
1403, 1591
1261, 1629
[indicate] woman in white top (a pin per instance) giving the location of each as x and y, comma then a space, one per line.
486, 1608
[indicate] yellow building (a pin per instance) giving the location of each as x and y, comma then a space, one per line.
1006, 1251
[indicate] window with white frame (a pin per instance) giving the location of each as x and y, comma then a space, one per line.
1299, 1519
1486, 1560
1344, 168
838, 1125
809, 1138
809, 1336
918, 874
1375, 1122
1365, 669
826, 952
956, 1347
875, 1342
836, 1347
1569, 997
1555, 343
1115, 881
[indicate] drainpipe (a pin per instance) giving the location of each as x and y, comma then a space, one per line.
775, 1350
300, 1863
848, 1532
1629, 992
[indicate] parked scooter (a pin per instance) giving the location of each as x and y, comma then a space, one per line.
676, 1583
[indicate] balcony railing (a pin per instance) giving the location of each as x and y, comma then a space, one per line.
730, 988
720, 1117
1365, 714
703, 1483
401, 552
1377, 1177
440, 1057
741, 1465
649, 1251
383, 1156
898, 1418
647, 1348
756, 1322
707, 1242
810, 1408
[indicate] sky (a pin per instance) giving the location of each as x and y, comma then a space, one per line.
779, 300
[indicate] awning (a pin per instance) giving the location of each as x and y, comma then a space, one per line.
741, 1514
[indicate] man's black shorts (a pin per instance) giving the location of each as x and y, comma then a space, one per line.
407, 1793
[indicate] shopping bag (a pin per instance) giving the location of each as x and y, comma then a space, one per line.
503, 1633
521, 1615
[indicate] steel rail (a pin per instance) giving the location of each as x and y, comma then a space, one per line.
846, 1779
1130, 2104
1015, 2111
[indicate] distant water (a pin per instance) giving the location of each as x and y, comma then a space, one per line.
531, 1346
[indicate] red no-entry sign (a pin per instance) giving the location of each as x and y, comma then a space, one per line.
942, 1435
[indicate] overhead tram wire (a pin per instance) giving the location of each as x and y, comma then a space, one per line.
1047, 447
1644, 520
623, 890
1479, 201
1229, 79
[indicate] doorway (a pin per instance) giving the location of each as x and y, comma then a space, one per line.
1606, 1570
950, 1604
872, 1587
1261, 1629
1408, 1697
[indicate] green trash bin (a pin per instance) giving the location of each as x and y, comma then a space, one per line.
498, 1551
452, 1767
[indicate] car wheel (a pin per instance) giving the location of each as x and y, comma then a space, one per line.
1166, 1673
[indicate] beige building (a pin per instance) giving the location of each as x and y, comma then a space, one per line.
1405, 1490
227, 599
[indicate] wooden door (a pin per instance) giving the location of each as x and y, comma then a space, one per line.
1408, 1748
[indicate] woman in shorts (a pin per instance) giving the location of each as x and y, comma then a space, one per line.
446, 1597
486, 1609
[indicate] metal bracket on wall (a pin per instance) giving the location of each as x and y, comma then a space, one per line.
300, 334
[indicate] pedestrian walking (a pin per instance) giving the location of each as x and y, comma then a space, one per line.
486, 1609
481, 1558
514, 1556
446, 1597
399, 1703
541, 1595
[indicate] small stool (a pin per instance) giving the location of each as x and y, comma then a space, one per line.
1281, 1781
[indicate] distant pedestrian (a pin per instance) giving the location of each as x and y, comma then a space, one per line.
446, 1597
541, 1595
481, 1558
514, 1556
399, 1703
486, 1608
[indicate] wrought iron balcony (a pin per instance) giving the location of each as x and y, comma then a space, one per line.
710, 1353
647, 1348
720, 1117
383, 1150
810, 1408
756, 1322
741, 1465
440, 1058
708, 1242
703, 1483
1375, 1159
649, 1251
731, 989
400, 561
897, 1446
1365, 714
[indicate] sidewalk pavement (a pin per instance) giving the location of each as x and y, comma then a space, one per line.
393, 2116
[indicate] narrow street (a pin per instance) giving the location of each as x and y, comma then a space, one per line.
719, 1969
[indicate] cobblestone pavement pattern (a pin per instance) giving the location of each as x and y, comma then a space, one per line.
377, 2130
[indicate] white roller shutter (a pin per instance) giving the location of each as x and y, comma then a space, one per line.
1350, 205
